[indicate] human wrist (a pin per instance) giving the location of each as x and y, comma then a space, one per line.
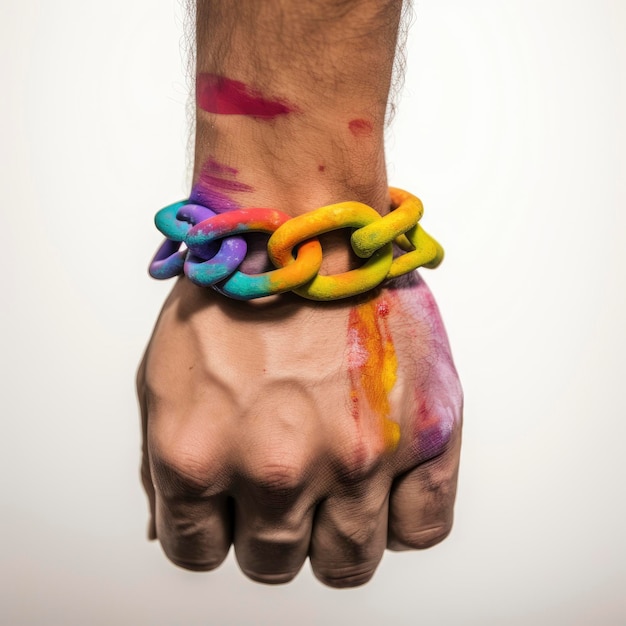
322, 70
294, 170
275, 143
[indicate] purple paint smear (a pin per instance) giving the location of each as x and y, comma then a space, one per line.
209, 188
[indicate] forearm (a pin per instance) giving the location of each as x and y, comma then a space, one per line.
292, 95
294, 430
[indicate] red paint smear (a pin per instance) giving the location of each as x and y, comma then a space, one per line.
382, 308
355, 402
359, 455
360, 127
217, 94
219, 168
426, 418
430, 437
216, 182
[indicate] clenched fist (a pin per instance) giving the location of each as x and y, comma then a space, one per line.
294, 429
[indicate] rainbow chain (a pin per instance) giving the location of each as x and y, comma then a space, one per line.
215, 247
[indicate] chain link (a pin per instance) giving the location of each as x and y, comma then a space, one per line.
215, 247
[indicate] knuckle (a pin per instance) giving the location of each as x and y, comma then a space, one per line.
422, 538
270, 548
358, 534
345, 576
358, 461
437, 426
275, 542
279, 477
185, 466
439, 482
279, 474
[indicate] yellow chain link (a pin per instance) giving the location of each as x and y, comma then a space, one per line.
372, 240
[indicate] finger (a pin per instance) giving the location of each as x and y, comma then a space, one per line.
146, 477
350, 535
422, 501
194, 533
191, 479
279, 479
274, 508
272, 542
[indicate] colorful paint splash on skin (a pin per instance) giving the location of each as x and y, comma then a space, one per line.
437, 409
213, 167
373, 365
218, 94
215, 179
432, 429
256, 277
360, 127
217, 182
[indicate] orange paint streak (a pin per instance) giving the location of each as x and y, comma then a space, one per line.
373, 364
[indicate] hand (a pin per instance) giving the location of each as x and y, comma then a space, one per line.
299, 429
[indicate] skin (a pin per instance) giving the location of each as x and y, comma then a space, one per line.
290, 428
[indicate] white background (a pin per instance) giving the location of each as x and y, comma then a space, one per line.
512, 130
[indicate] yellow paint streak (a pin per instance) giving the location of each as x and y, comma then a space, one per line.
377, 366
